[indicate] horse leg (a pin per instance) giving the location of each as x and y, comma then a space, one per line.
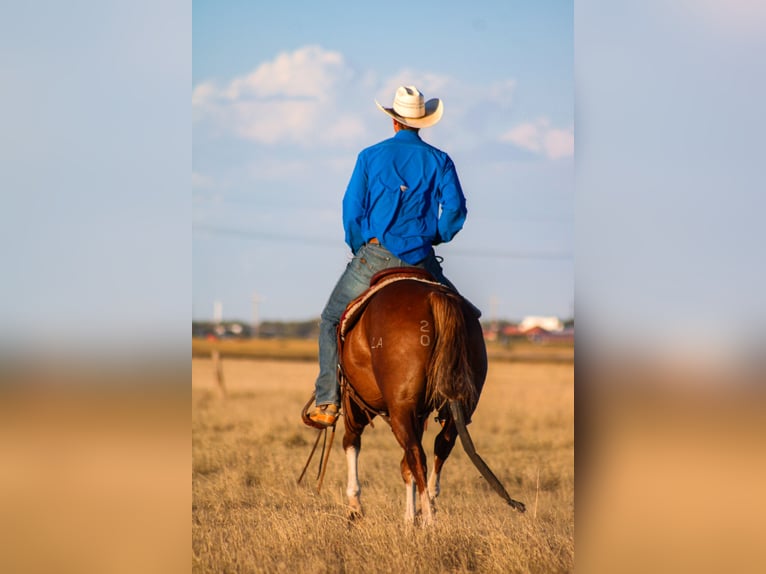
408, 432
409, 492
352, 444
443, 445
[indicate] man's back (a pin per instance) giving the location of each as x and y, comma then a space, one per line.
395, 194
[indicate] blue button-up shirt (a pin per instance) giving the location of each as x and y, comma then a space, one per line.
396, 193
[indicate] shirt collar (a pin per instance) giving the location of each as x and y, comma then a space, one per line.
407, 135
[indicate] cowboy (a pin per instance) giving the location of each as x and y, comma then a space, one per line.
404, 197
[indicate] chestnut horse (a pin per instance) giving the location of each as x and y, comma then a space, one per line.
417, 347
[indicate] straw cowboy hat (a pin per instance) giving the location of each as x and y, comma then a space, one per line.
411, 109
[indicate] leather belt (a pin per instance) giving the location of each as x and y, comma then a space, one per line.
374, 241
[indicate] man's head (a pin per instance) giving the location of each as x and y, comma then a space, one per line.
410, 110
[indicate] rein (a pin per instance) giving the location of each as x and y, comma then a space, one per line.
346, 391
326, 448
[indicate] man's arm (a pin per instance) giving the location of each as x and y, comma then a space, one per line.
453, 204
354, 206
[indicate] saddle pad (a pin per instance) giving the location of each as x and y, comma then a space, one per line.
378, 282
411, 271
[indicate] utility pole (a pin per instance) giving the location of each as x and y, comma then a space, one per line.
218, 318
256, 323
493, 326
216, 353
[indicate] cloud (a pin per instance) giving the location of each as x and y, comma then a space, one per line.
313, 98
297, 98
539, 137
559, 143
309, 73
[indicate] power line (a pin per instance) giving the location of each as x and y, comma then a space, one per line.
547, 255
247, 234
326, 242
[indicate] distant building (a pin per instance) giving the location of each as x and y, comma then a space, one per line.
550, 324
212, 330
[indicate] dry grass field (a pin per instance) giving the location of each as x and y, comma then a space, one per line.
520, 350
249, 447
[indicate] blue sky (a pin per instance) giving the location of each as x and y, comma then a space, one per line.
663, 206
282, 102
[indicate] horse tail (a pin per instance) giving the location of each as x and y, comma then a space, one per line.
450, 377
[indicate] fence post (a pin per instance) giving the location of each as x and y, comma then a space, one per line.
218, 366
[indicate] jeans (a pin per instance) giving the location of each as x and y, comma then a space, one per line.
369, 259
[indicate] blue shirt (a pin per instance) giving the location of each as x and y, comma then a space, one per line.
396, 193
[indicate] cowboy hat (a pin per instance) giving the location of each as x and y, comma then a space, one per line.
411, 110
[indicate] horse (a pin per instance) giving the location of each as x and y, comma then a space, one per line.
416, 347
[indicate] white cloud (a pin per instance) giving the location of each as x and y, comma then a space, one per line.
527, 136
295, 98
203, 93
313, 97
559, 143
539, 137
310, 72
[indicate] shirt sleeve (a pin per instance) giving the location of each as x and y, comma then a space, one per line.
452, 203
354, 206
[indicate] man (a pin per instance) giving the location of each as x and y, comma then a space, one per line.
404, 197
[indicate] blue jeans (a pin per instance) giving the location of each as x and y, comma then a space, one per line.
368, 260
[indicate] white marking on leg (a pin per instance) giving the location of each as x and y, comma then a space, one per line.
433, 484
410, 490
353, 490
426, 510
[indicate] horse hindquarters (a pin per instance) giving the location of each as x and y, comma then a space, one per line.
398, 358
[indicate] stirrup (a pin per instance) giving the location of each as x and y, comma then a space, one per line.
324, 415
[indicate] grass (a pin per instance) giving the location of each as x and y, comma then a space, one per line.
249, 515
519, 350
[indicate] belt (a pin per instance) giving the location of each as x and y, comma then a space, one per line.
374, 241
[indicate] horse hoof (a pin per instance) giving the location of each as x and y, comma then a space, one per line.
426, 521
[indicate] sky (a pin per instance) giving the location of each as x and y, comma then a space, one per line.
112, 111
283, 101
